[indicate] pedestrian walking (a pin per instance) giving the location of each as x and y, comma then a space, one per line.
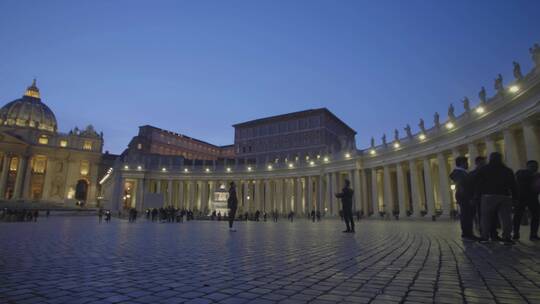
463, 196
528, 188
232, 204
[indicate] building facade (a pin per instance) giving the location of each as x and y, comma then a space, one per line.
44, 165
152, 140
290, 137
405, 177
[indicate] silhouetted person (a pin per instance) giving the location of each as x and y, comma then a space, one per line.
100, 214
232, 204
479, 162
346, 201
464, 194
318, 214
528, 180
313, 216
497, 187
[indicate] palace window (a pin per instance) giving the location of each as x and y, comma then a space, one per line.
13, 164
63, 143
85, 167
139, 146
43, 139
39, 164
87, 145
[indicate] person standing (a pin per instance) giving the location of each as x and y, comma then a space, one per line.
463, 196
346, 195
497, 186
527, 180
232, 204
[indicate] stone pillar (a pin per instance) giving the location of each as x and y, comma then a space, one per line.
416, 199
267, 195
510, 150
21, 171
329, 196
204, 195
211, 190
473, 154
388, 194
357, 190
490, 146
158, 186
298, 195
181, 200
444, 185
309, 194
364, 189
402, 190
191, 195
335, 203
428, 187
258, 195
319, 194
4, 174
531, 136
374, 190
26, 182
139, 199
169, 192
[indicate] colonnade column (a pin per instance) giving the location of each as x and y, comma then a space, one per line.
416, 199
329, 192
318, 207
473, 154
402, 190
191, 195
510, 149
335, 206
4, 174
21, 171
388, 195
26, 182
139, 202
357, 190
170, 192
309, 194
532, 141
298, 195
181, 200
428, 187
364, 188
490, 146
267, 195
444, 185
374, 190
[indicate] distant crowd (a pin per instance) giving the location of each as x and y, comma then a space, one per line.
21, 215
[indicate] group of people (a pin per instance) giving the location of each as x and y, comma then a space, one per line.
491, 193
21, 215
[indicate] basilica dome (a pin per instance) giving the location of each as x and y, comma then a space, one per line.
28, 111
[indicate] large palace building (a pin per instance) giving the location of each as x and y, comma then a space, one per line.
292, 162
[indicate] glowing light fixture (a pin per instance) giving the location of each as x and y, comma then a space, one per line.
249, 168
247, 197
372, 152
396, 145
228, 169
270, 167
164, 169
207, 169
452, 187
126, 167
513, 89
312, 163
347, 155
291, 165
480, 110
186, 170
326, 159
422, 136
139, 167
449, 125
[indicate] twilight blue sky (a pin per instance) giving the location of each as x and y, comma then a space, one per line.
197, 67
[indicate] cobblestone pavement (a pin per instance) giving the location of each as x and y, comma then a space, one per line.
77, 260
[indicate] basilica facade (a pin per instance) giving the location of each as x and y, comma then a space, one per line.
41, 164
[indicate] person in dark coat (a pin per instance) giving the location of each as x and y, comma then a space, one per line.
460, 178
346, 195
232, 204
496, 184
527, 180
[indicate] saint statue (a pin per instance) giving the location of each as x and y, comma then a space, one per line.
437, 120
482, 95
535, 54
451, 114
499, 84
408, 131
396, 135
372, 142
384, 140
422, 126
517, 71
466, 104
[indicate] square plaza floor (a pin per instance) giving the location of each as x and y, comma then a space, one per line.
78, 260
